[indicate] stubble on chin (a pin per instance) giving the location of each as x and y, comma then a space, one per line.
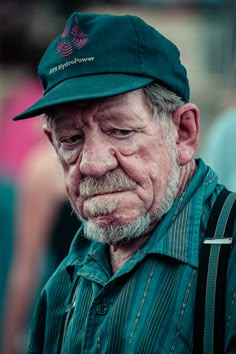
113, 232
101, 207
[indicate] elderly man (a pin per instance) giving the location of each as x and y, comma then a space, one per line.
117, 112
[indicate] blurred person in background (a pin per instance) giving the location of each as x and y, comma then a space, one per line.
220, 145
18, 87
32, 218
118, 113
7, 213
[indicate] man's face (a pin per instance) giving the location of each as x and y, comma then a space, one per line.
120, 172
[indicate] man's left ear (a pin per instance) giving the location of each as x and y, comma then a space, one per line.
187, 121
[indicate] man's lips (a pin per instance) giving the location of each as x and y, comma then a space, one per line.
100, 194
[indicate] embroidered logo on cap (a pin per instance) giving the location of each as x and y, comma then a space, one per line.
72, 38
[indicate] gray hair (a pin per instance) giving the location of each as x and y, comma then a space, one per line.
163, 103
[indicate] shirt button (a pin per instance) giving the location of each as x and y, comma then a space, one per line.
101, 309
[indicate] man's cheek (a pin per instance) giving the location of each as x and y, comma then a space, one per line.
68, 156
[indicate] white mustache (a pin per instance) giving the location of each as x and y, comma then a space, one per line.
109, 183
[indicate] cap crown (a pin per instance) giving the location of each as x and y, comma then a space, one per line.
94, 44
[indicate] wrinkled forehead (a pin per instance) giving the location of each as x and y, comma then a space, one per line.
66, 113
60, 112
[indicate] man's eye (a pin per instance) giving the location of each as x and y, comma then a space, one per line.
122, 132
72, 139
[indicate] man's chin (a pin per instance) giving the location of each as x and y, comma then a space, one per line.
106, 231
111, 221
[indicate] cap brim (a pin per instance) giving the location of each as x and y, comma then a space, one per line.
84, 88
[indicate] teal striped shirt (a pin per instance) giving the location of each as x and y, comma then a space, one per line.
148, 305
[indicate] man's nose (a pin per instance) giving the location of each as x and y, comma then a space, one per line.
98, 157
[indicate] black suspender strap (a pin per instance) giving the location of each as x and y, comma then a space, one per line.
210, 302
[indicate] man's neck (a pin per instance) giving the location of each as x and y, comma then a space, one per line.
121, 252
186, 174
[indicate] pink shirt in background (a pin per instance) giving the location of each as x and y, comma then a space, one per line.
17, 138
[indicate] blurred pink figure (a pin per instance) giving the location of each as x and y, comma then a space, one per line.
17, 139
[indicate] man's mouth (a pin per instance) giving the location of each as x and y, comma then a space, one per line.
103, 193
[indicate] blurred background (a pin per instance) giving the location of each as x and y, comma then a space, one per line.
30, 200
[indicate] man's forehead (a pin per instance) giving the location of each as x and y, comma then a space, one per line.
58, 111
115, 103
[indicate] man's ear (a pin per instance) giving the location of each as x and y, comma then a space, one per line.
187, 121
48, 133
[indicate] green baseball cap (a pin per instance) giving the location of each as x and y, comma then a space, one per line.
102, 55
